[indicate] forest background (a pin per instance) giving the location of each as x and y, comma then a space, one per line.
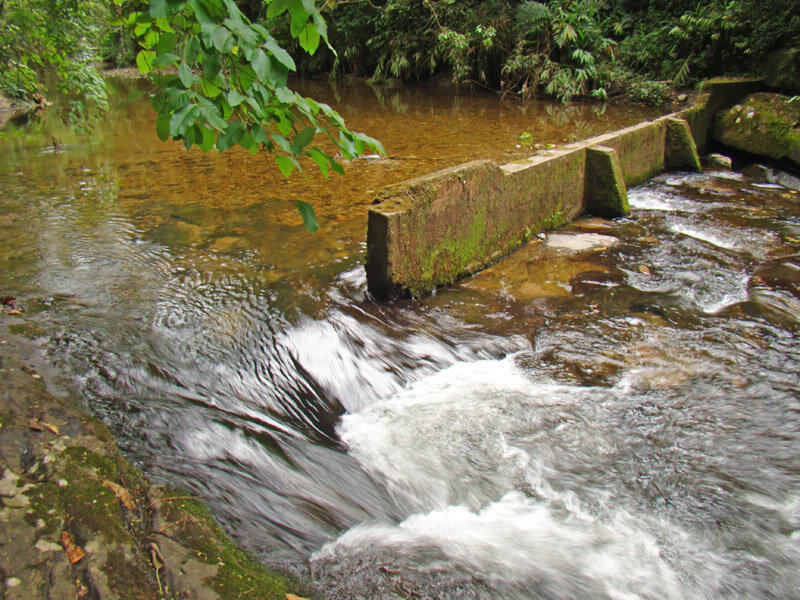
562, 48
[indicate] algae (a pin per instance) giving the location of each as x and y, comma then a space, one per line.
764, 123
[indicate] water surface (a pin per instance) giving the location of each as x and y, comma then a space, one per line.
612, 412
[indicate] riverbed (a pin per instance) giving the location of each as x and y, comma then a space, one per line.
611, 412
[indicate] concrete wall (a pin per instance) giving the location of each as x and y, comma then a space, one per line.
430, 231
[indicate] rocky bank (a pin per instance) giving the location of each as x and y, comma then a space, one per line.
77, 521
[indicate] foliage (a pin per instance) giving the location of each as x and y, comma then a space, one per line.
685, 41
221, 80
52, 38
561, 48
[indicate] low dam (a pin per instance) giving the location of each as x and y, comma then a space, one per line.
432, 230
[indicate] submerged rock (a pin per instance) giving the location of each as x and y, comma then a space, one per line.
717, 161
766, 124
779, 274
775, 176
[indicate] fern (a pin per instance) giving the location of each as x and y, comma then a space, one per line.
532, 14
682, 76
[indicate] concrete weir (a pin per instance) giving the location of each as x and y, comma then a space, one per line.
432, 230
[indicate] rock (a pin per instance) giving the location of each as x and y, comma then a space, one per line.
770, 175
683, 97
766, 124
580, 241
780, 274
224, 244
590, 225
717, 161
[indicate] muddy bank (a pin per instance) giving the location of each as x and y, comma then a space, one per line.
79, 522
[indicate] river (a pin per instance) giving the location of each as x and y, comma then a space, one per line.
611, 412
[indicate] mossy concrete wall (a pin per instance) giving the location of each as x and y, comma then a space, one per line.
432, 230
715, 94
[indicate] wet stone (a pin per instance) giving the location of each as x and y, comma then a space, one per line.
717, 161
782, 274
580, 241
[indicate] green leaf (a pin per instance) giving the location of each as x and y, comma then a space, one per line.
371, 142
192, 51
158, 8
202, 15
234, 98
285, 95
210, 88
280, 54
309, 38
166, 43
261, 65
207, 142
144, 61
337, 167
163, 60
248, 143
162, 127
303, 139
186, 76
222, 39
211, 114
285, 164
277, 7
322, 161
282, 142
163, 25
189, 137
307, 212
183, 119
211, 66
165, 8
231, 136
259, 134
150, 39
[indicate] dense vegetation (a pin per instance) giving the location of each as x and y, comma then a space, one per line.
561, 48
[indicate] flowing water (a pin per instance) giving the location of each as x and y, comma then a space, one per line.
611, 412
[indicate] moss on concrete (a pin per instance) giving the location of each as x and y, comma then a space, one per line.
764, 123
680, 150
606, 195
715, 95
640, 149
433, 230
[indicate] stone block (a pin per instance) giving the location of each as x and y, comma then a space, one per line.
640, 149
606, 195
680, 150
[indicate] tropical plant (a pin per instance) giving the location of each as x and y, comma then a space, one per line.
221, 80
561, 49
57, 38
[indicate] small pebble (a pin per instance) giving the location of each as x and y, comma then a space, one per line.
12, 582
62, 483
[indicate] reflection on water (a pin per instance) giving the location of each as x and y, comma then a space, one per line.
611, 412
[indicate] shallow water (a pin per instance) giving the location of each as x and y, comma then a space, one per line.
611, 412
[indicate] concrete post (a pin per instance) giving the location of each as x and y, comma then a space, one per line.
605, 193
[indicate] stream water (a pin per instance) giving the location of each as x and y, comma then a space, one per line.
611, 412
